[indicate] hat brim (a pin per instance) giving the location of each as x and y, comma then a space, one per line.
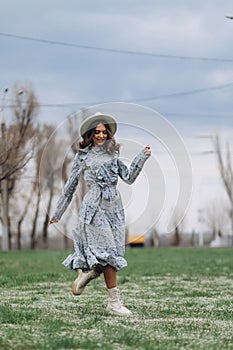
105, 118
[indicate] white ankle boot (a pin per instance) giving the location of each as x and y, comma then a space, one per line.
115, 304
82, 280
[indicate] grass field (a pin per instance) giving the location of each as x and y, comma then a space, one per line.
180, 298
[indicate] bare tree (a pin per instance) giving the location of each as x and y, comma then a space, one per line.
44, 177
49, 163
20, 204
16, 149
178, 229
21, 218
152, 237
215, 218
50, 167
41, 139
225, 166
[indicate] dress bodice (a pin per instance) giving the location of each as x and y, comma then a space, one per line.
97, 161
100, 171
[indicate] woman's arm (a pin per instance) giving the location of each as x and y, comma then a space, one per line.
68, 191
130, 174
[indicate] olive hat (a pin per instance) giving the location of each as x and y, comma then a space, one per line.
105, 118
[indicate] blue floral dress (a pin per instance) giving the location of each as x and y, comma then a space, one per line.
99, 237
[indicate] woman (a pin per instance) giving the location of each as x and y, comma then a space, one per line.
99, 238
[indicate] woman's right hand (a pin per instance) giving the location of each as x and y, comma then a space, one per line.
52, 220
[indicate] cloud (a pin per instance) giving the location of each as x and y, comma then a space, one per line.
63, 74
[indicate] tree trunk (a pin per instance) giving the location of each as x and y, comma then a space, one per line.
176, 241
19, 235
46, 221
226, 173
9, 228
5, 205
19, 232
33, 233
215, 235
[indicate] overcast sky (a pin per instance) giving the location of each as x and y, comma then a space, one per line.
188, 78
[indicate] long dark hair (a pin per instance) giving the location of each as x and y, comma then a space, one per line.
110, 144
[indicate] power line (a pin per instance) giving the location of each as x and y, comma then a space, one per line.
139, 99
112, 50
180, 94
202, 115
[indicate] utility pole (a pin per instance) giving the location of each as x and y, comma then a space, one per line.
3, 183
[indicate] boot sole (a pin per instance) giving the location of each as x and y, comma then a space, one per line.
113, 312
74, 285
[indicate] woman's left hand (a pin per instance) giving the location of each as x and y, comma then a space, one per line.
147, 150
52, 220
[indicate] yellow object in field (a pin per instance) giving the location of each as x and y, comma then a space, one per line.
136, 239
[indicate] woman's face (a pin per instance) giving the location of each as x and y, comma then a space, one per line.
100, 135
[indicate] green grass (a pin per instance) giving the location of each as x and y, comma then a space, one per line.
180, 298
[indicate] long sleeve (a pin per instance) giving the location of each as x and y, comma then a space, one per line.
69, 189
130, 174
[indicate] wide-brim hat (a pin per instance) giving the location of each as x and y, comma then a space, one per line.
105, 118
